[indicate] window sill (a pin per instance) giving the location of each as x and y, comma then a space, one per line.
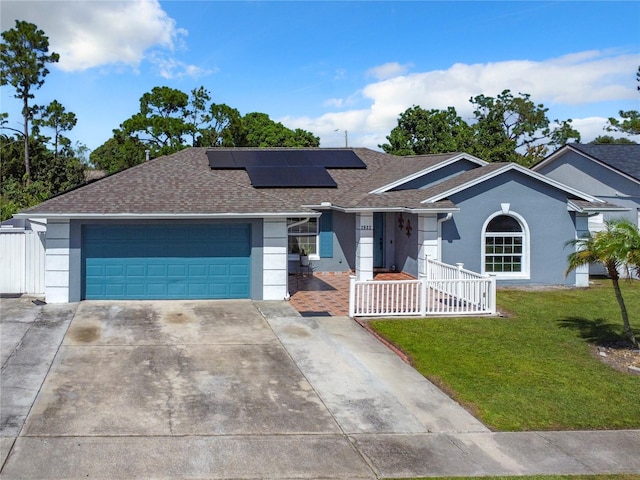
294, 257
507, 276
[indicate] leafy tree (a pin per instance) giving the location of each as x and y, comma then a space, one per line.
161, 122
197, 113
630, 123
562, 134
224, 129
55, 117
303, 138
23, 59
12, 155
119, 152
610, 139
421, 131
16, 196
507, 128
616, 247
507, 123
258, 130
168, 117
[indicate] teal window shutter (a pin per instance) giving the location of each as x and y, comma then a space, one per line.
326, 234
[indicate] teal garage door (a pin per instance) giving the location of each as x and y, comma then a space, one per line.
166, 261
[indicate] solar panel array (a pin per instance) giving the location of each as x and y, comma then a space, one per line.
286, 168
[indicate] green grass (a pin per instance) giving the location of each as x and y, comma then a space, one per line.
550, 477
533, 369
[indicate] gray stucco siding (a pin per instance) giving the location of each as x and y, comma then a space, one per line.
590, 177
344, 246
438, 175
543, 208
75, 253
406, 246
632, 203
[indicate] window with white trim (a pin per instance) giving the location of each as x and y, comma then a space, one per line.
504, 250
303, 238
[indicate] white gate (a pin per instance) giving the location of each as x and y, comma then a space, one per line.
22, 254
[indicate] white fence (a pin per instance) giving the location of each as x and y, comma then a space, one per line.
22, 257
442, 290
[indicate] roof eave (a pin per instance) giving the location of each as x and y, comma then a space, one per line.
396, 209
572, 207
165, 216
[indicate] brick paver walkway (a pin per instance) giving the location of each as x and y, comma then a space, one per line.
327, 293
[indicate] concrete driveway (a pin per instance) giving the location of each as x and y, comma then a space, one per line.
240, 389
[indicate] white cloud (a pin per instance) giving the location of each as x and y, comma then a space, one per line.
171, 68
334, 102
562, 83
388, 70
99, 33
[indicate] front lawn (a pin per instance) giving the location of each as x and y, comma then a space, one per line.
532, 370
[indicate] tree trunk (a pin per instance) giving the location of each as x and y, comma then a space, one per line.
623, 309
27, 164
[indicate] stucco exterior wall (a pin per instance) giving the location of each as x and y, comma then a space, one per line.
406, 245
587, 176
344, 245
543, 208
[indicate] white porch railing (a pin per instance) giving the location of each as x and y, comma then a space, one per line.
443, 290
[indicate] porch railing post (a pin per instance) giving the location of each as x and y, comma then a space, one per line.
492, 294
459, 284
427, 265
352, 295
424, 284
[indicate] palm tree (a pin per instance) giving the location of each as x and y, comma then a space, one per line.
617, 248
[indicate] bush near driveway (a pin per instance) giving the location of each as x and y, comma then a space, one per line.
532, 370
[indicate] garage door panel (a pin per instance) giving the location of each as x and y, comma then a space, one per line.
153, 262
156, 271
176, 269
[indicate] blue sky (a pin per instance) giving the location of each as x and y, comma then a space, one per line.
333, 66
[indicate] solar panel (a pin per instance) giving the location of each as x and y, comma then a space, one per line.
257, 158
298, 158
290, 177
221, 159
286, 168
339, 159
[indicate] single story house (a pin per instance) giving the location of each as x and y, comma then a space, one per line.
608, 171
232, 223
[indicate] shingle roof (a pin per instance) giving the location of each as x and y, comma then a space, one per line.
184, 184
622, 157
181, 183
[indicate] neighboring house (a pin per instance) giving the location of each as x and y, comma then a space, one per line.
231, 223
610, 172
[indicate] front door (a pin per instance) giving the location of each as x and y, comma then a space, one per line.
378, 240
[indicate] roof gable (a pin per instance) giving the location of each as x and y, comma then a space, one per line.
623, 159
434, 163
477, 176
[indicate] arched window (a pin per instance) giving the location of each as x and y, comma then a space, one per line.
506, 247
